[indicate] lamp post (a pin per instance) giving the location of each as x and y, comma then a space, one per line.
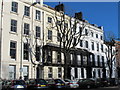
21, 64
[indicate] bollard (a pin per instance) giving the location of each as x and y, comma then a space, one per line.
0, 85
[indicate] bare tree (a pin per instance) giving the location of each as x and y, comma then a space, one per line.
110, 52
69, 34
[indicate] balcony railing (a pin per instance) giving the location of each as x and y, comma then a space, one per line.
96, 64
79, 63
56, 61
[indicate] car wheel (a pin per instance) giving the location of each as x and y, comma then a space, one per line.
88, 86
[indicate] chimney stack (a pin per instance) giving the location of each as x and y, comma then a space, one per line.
38, 1
79, 15
59, 7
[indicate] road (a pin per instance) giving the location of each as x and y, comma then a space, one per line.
102, 88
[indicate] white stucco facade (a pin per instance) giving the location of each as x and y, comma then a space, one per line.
95, 36
13, 68
18, 64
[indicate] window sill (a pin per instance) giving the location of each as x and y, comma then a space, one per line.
24, 16
15, 33
38, 38
13, 59
37, 20
25, 60
14, 12
48, 40
49, 23
24, 35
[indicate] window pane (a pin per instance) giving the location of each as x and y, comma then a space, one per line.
49, 34
58, 36
58, 57
25, 72
49, 72
103, 61
98, 60
26, 51
26, 28
81, 43
12, 72
13, 50
97, 46
86, 44
37, 31
49, 54
59, 72
82, 72
76, 73
27, 11
92, 45
13, 25
101, 47
37, 15
86, 32
14, 6
38, 53
49, 19
92, 34
96, 35
101, 37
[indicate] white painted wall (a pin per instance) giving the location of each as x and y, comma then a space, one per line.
8, 36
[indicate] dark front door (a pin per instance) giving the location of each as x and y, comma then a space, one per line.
89, 72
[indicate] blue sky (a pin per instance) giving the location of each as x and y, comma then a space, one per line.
101, 13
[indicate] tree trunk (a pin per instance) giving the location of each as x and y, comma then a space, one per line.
67, 68
65, 65
111, 73
111, 65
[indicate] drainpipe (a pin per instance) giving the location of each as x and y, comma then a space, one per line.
42, 44
1, 38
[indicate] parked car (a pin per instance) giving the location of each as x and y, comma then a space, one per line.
102, 82
1, 83
36, 84
71, 83
113, 81
51, 83
13, 84
87, 83
55, 83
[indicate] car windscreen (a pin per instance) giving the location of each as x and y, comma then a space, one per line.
58, 81
51, 81
19, 82
41, 81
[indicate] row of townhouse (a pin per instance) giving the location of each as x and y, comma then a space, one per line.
29, 44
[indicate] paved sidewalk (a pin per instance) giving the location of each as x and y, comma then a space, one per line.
111, 87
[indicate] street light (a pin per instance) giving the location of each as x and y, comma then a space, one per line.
21, 69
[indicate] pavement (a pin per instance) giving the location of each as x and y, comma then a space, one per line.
100, 88
107, 88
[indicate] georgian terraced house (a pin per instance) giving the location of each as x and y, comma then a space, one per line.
29, 44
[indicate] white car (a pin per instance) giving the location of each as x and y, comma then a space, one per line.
71, 83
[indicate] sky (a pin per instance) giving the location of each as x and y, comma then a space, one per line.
100, 13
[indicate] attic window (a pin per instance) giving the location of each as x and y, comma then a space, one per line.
49, 19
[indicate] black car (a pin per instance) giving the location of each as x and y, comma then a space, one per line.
102, 82
113, 81
36, 84
51, 83
87, 83
56, 83
13, 84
